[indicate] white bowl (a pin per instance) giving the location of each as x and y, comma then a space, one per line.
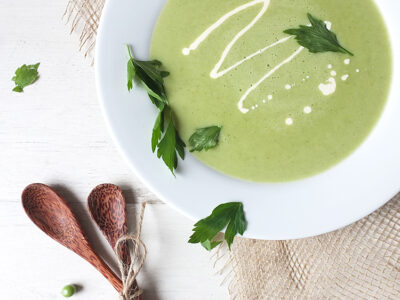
340, 196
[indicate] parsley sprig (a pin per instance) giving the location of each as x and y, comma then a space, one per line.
317, 37
165, 139
24, 76
229, 215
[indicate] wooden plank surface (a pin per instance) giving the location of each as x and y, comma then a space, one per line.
54, 133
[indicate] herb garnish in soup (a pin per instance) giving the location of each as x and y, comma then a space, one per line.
296, 86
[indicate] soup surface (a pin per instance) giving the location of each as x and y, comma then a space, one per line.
285, 113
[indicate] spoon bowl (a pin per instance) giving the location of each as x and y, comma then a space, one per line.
106, 205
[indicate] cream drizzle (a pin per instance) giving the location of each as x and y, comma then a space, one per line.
254, 86
216, 72
329, 88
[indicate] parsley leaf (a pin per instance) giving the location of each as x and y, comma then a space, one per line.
180, 147
166, 147
24, 76
317, 37
170, 145
230, 215
131, 72
157, 131
150, 76
204, 138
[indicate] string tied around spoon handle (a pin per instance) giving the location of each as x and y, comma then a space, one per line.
130, 290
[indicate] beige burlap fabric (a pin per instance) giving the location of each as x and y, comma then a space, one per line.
361, 261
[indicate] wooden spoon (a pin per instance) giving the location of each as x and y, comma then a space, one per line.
106, 205
54, 217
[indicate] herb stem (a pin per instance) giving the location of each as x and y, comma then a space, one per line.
347, 51
129, 51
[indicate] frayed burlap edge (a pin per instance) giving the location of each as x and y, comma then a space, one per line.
84, 18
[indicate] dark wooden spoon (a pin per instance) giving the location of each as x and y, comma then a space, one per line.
54, 217
106, 204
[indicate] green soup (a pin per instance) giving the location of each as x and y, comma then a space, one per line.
285, 113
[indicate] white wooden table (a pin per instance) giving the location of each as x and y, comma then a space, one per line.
55, 133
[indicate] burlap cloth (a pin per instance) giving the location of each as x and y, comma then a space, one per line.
361, 261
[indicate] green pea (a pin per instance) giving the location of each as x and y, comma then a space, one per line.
68, 290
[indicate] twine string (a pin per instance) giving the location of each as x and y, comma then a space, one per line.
130, 289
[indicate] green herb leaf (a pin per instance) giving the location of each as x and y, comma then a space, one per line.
230, 215
170, 145
157, 131
156, 97
24, 76
131, 72
166, 147
209, 245
151, 68
18, 89
164, 74
204, 138
180, 147
317, 37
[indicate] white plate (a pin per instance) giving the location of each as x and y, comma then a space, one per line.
344, 194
